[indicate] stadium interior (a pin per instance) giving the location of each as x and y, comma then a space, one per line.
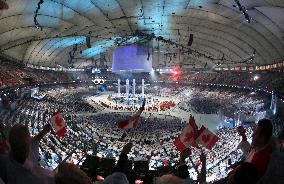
141, 91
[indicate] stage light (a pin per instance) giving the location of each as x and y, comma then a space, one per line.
175, 71
139, 181
100, 178
256, 77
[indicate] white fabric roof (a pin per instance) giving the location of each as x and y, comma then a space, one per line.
217, 25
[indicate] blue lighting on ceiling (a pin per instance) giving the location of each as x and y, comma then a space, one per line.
152, 19
156, 18
81, 6
97, 48
68, 41
56, 10
102, 45
111, 5
52, 12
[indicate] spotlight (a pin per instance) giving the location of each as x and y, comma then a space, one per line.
239, 4
100, 178
138, 181
256, 77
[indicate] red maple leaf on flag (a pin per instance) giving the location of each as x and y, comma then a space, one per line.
58, 120
206, 138
188, 136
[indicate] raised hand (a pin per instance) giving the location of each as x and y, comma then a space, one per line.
127, 148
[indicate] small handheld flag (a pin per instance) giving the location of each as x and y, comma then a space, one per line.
58, 124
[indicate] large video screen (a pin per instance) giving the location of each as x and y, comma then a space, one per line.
132, 58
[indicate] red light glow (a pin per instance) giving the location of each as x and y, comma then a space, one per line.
100, 178
176, 73
138, 181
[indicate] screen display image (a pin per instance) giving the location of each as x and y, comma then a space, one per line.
132, 58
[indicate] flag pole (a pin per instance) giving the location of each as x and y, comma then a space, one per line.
143, 108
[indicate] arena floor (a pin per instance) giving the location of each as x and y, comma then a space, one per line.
211, 121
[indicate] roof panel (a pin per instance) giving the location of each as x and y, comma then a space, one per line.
218, 27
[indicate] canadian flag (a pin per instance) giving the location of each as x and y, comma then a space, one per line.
206, 138
132, 122
188, 136
58, 124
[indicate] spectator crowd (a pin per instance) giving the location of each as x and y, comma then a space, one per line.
30, 152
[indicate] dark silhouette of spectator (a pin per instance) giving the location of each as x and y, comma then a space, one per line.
118, 176
260, 152
245, 173
68, 173
12, 170
182, 175
3, 142
275, 170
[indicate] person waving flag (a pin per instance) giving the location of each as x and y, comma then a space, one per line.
206, 138
188, 135
133, 120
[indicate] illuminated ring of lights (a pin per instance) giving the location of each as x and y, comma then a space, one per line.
102, 81
95, 81
99, 81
